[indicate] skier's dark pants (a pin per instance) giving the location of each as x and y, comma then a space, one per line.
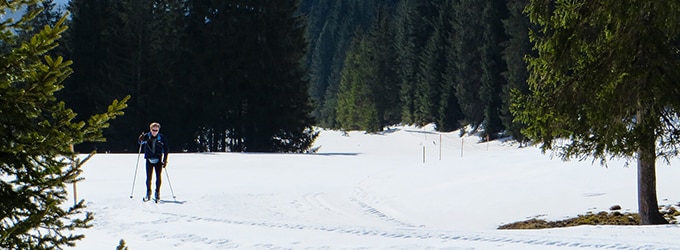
150, 168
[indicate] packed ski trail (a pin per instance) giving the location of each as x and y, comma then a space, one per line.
360, 191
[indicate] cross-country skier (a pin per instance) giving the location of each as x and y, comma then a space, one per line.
156, 155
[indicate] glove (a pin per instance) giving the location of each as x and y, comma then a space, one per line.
141, 137
165, 163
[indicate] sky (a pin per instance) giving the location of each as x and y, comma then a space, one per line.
16, 15
406, 188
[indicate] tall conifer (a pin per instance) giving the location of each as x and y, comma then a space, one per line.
605, 78
36, 134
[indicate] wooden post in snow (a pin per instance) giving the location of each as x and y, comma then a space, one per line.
440, 147
75, 190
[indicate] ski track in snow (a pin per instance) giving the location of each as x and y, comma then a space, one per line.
315, 202
403, 233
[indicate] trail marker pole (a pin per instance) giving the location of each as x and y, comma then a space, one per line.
440, 147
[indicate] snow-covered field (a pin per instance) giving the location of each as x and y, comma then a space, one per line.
403, 189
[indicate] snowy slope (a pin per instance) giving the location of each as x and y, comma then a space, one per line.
380, 191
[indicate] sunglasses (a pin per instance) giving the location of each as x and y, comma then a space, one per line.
154, 130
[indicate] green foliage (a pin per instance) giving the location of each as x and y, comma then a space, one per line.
599, 66
605, 80
336, 23
411, 35
465, 67
445, 105
515, 49
224, 76
356, 109
446, 57
493, 65
368, 98
36, 132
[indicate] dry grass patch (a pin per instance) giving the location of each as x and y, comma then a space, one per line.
602, 218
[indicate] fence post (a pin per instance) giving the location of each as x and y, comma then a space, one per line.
440, 147
75, 190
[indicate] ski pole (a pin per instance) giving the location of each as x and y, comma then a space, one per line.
170, 183
136, 166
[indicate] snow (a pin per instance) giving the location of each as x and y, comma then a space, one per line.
370, 191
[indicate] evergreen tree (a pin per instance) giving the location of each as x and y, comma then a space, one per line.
428, 73
356, 109
174, 88
466, 58
515, 49
36, 132
368, 98
492, 66
129, 70
407, 42
330, 49
47, 15
386, 86
448, 113
130, 47
203, 54
606, 79
248, 63
323, 45
91, 39
279, 108
327, 54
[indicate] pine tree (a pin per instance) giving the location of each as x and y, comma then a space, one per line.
515, 49
356, 109
91, 37
386, 85
492, 66
606, 79
442, 105
330, 49
430, 61
48, 15
131, 47
289, 110
465, 59
261, 68
174, 88
36, 134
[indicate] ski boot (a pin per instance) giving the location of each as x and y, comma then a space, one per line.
147, 197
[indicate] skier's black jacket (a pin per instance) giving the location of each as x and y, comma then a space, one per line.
154, 147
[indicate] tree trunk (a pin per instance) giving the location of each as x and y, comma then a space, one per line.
648, 206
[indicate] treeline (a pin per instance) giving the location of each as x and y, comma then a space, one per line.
448, 62
217, 75
246, 75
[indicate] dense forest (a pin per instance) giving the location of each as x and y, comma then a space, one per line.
258, 76
453, 63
